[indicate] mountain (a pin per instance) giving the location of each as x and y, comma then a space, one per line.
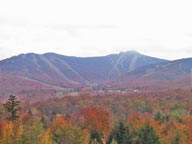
53, 68
161, 76
26, 72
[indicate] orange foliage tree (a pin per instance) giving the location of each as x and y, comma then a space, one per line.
98, 119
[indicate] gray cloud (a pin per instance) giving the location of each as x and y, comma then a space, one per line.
85, 28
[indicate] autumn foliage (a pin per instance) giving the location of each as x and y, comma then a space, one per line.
142, 118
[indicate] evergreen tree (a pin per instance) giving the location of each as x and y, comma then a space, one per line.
147, 135
120, 134
95, 137
161, 117
12, 106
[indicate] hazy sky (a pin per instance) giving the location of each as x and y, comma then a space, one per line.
161, 28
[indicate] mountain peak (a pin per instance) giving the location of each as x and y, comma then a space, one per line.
129, 52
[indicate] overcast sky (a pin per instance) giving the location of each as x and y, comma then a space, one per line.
160, 28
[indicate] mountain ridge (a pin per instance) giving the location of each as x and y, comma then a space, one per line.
110, 65
171, 74
38, 72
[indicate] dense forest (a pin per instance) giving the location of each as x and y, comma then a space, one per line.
131, 118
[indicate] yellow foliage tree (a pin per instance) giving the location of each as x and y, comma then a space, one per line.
46, 138
19, 133
7, 133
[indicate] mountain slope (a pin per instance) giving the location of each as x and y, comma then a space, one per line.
162, 76
65, 71
38, 77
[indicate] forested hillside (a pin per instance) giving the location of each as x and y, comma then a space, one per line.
132, 118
